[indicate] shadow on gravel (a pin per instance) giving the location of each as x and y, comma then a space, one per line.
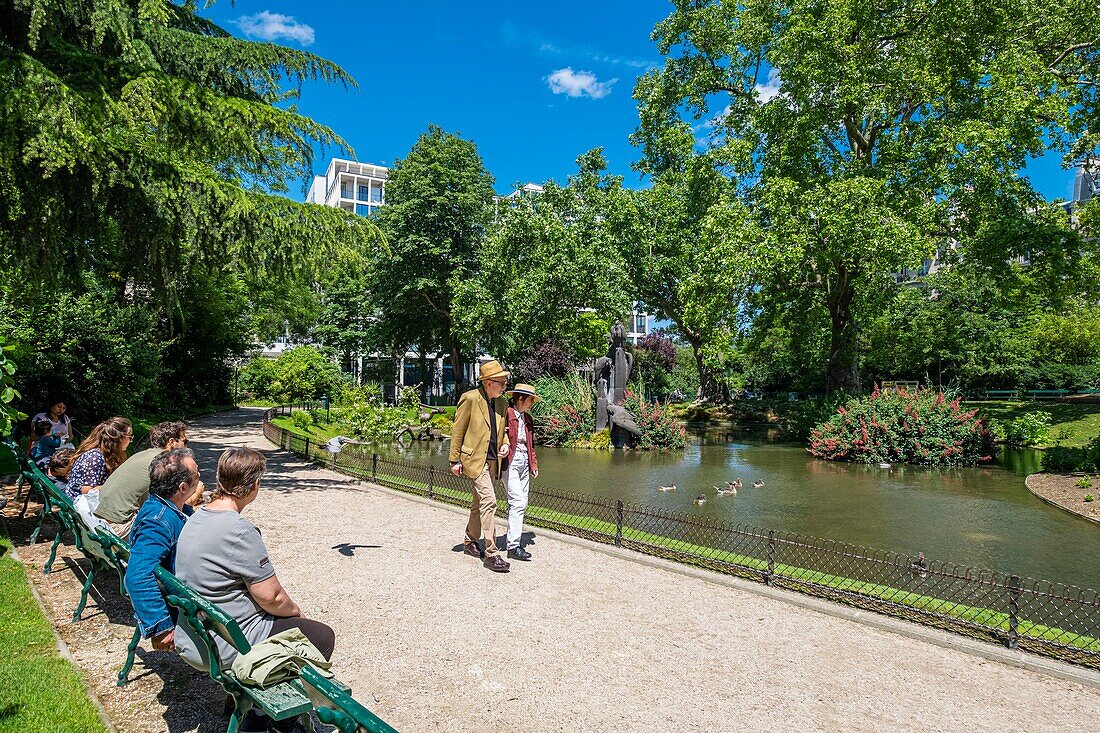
349, 550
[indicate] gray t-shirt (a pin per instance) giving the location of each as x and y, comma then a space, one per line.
219, 555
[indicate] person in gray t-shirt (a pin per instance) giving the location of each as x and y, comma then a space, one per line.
222, 557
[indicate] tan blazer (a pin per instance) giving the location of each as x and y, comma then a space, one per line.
470, 432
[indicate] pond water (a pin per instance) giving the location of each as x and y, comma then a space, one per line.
981, 517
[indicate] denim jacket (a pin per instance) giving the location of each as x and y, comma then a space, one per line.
153, 539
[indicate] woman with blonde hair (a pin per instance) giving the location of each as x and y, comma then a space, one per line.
99, 455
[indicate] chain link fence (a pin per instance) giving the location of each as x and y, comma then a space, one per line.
1046, 618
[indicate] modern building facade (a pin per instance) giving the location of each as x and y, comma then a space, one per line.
358, 188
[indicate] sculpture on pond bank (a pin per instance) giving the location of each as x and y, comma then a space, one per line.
612, 372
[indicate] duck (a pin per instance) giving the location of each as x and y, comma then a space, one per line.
701, 499
670, 487
728, 491
758, 483
735, 484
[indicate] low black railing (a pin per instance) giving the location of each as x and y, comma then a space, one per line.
1038, 616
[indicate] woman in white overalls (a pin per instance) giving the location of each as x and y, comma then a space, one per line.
521, 464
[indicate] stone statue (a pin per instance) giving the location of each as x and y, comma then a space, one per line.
612, 372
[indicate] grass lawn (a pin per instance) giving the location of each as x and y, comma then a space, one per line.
1079, 421
322, 432
39, 691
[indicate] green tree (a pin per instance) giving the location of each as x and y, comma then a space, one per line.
139, 136
143, 152
678, 259
864, 136
439, 200
549, 270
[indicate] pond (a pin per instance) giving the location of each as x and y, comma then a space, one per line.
980, 517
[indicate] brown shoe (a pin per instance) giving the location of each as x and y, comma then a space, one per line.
473, 550
494, 563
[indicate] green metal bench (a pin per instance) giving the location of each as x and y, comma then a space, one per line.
97, 545
1001, 394
24, 462
282, 701
1046, 394
339, 708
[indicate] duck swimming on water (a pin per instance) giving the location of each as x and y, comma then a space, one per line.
701, 499
670, 487
758, 483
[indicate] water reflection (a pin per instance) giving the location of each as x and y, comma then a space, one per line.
981, 516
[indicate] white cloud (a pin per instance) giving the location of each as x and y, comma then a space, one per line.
273, 26
769, 90
578, 83
547, 47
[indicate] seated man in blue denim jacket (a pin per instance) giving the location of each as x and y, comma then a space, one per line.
173, 483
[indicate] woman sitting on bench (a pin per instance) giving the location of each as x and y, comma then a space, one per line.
222, 557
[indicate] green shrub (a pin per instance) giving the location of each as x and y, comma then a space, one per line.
301, 373
566, 414
600, 440
1071, 460
1090, 497
1031, 428
1084, 483
923, 427
373, 423
301, 419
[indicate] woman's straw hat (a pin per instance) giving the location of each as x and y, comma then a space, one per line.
523, 389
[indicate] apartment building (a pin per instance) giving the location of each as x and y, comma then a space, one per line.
358, 188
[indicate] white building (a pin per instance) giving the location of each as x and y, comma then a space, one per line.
358, 188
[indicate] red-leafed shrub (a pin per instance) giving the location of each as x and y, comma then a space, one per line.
659, 431
923, 427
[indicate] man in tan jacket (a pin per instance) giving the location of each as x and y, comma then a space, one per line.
479, 439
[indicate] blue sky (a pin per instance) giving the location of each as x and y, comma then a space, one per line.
534, 85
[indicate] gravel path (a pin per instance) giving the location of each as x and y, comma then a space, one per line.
579, 640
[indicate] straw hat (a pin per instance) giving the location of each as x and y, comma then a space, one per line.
491, 370
523, 389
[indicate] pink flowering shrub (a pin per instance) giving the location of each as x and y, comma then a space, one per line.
923, 427
659, 430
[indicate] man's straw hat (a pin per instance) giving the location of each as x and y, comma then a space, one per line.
491, 370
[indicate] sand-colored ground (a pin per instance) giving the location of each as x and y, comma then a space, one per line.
1062, 490
575, 640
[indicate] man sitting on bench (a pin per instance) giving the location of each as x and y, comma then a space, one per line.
125, 490
173, 481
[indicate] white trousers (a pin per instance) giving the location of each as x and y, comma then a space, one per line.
517, 483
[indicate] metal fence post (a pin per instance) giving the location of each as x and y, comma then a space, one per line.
373, 466
769, 578
431, 480
1013, 610
618, 523
307, 447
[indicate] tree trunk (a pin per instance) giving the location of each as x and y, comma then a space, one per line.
456, 367
842, 374
711, 388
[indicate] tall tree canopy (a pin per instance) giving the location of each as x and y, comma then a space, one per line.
140, 138
549, 271
865, 136
439, 200
142, 152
